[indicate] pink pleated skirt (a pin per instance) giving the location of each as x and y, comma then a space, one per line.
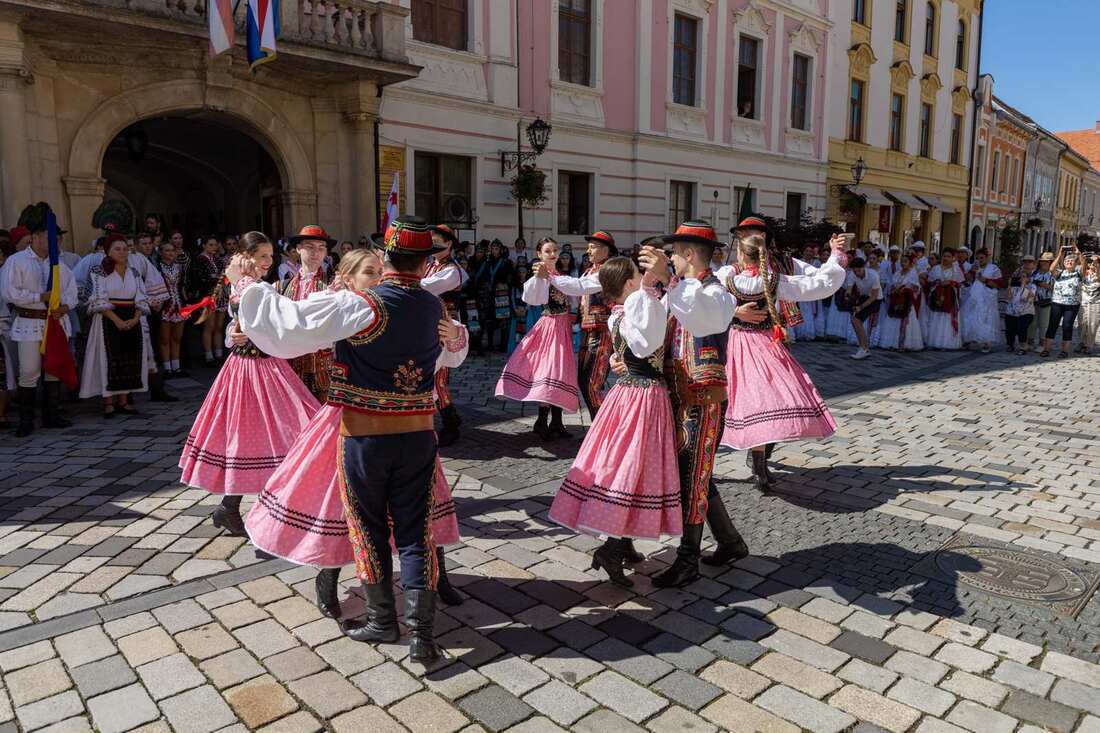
299, 515
771, 398
252, 413
543, 368
625, 481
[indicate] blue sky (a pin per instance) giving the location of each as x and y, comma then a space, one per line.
1043, 60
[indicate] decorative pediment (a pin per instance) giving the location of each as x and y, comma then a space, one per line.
901, 73
751, 18
930, 84
804, 39
698, 7
959, 97
861, 57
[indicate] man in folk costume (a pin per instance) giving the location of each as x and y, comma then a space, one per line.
312, 244
386, 346
700, 310
445, 279
26, 276
592, 361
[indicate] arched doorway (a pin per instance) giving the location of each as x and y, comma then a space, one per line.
975, 237
197, 170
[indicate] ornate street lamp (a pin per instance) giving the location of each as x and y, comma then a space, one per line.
538, 135
859, 170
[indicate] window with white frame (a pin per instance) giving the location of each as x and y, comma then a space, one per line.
748, 77
926, 130
681, 203
440, 22
801, 76
739, 195
574, 202
996, 169
575, 41
796, 204
685, 53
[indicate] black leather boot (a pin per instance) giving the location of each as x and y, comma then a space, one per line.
557, 428
685, 569
760, 475
769, 448
420, 621
611, 557
381, 620
228, 517
541, 429
731, 545
631, 555
51, 407
157, 392
328, 596
450, 418
447, 592
25, 399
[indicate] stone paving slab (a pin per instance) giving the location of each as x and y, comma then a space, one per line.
826, 627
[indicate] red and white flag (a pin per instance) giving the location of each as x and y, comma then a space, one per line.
393, 209
219, 14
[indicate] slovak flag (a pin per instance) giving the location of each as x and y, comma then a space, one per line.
393, 209
219, 15
263, 29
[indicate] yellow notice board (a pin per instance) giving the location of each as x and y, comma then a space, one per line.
391, 159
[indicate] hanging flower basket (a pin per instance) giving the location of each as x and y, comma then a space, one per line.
529, 186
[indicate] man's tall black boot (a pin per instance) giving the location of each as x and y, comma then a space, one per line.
157, 393
731, 545
447, 592
25, 398
51, 406
381, 619
328, 597
420, 621
557, 428
685, 569
541, 428
451, 420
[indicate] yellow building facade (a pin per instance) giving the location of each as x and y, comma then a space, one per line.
903, 105
1071, 174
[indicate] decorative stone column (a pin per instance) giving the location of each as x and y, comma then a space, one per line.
364, 213
15, 165
299, 209
85, 195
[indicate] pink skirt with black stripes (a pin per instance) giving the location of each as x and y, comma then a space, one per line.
252, 413
771, 398
543, 368
299, 515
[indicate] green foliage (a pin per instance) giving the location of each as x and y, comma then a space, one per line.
1012, 240
792, 236
529, 186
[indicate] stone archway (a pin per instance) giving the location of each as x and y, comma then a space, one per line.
239, 106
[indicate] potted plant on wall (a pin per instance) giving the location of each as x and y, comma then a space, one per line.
529, 186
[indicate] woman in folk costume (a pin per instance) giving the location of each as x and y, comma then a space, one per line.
838, 316
118, 352
206, 278
625, 480
980, 315
254, 410
812, 315
174, 272
543, 368
771, 398
299, 515
312, 244
944, 283
900, 327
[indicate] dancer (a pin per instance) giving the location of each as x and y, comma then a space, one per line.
980, 316
174, 273
118, 350
25, 286
311, 243
299, 515
446, 279
771, 398
542, 369
624, 482
900, 325
700, 310
944, 282
386, 348
251, 415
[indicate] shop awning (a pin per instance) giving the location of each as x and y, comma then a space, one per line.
870, 194
937, 203
909, 200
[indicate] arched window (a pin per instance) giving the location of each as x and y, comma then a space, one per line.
960, 47
930, 30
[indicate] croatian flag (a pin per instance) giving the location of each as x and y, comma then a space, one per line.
219, 15
263, 29
393, 209
57, 360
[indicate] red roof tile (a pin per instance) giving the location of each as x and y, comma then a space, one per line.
1085, 143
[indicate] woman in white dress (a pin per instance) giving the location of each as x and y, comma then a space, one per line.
944, 281
118, 353
981, 317
900, 327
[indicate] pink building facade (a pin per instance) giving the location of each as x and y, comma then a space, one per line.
661, 110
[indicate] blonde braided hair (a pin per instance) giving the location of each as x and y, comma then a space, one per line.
755, 249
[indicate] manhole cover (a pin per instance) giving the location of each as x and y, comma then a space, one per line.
1010, 572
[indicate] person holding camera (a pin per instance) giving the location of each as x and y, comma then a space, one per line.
1068, 271
1090, 305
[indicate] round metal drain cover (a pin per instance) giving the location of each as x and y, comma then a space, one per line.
1012, 573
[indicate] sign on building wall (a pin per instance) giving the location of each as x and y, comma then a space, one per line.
391, 159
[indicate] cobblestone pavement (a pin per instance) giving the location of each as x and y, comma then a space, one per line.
121, 608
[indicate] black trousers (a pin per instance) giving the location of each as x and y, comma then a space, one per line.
1016, 328
389, 477
1064, 314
